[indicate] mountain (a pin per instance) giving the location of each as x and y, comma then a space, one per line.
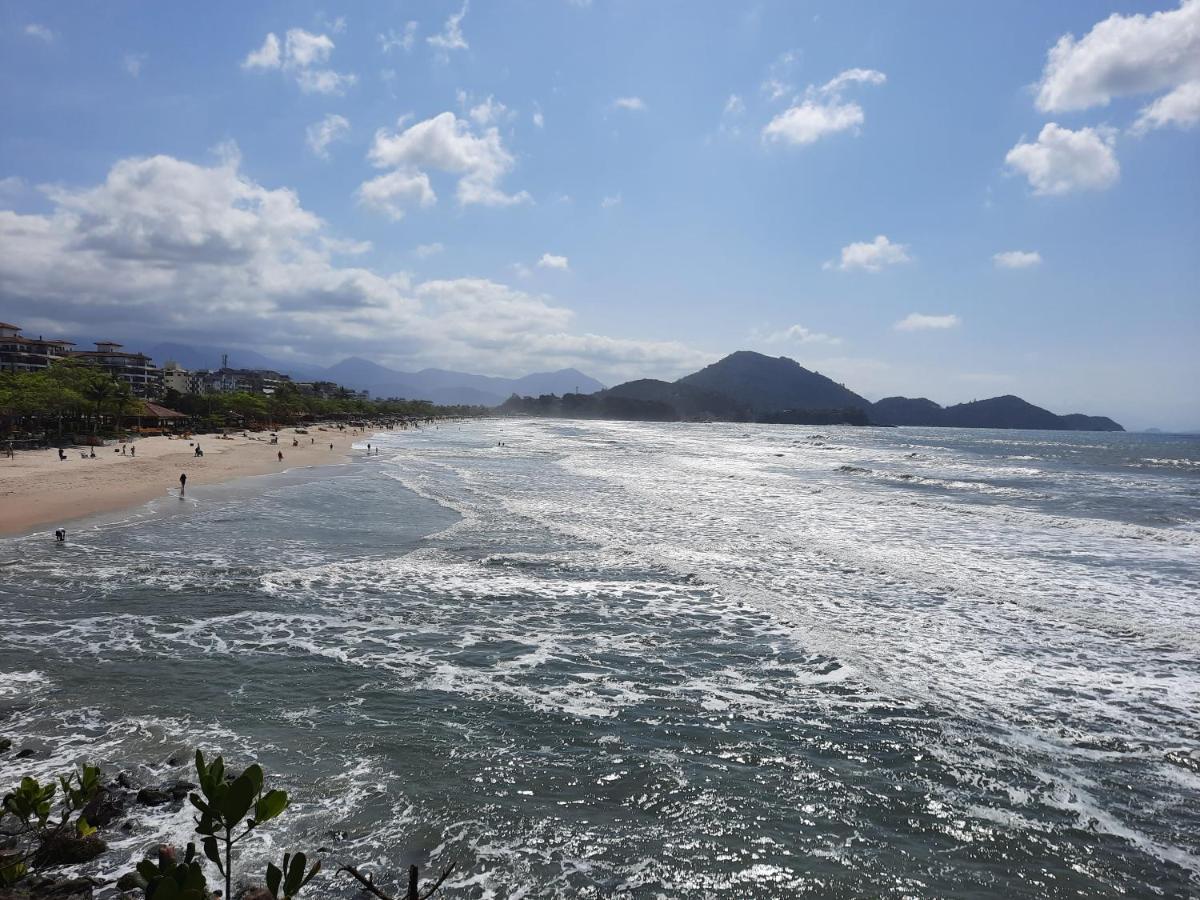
998, 412
688, 401
1080, 422
766, 384
210, 358
907, 411
564, 381
439, 385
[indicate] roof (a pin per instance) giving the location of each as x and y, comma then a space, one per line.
153, 410
9, 325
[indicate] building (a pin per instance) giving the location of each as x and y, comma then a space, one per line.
24, 354
135, 369
250, 381
176, 378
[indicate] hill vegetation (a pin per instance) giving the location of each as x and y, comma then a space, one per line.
750, 387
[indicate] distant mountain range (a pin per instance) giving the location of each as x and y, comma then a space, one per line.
437, 385
748, 386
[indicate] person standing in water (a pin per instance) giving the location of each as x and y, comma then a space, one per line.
182, 484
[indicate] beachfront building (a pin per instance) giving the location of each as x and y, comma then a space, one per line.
135, 369
233, 381
25, 354
176, 378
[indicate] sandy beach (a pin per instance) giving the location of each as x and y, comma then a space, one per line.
37, 489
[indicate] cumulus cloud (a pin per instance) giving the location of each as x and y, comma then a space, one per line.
404, 40
1017, 259
302, 56
41, 32
451, 36
1181, 108
1061, 161
822, 111
1122, 56
633, 104
321, 134
550, 261
798, 334
922, 322
165, 249
443, 143
870, 255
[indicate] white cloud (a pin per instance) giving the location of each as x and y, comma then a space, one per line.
1122, 56
424, 251
776, 84
1181, 107
451, 36
268, 56
346, 247
521, 270
798, 334
1061, 160
321, 134
41, 32
871, 255
550, 261
822, 111
444, 143
237, 258
610, 201
489, 112
404, 40
734, 106
133, 63
633, 104
922, 322
539, 120
1017, 259
11, 186
301, 55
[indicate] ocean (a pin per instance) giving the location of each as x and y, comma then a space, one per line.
603, 659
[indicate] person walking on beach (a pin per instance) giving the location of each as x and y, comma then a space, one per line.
281, 456
331, 446
182, 483
133, 451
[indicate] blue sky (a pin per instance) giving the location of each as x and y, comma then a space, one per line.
932, 199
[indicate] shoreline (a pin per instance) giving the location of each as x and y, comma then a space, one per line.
38, 491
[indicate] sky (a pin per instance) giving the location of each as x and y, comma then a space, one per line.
940, 199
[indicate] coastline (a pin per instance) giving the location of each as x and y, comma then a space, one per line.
37, 490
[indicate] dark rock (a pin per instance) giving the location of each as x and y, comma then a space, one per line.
42, 888
104, 808
254, 892
180, 789
5, 745
66, 849
131, 881
24, 753
126, 781
149, 796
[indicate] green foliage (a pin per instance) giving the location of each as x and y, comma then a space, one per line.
171, 880
229, 810
292, 875
31, 805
